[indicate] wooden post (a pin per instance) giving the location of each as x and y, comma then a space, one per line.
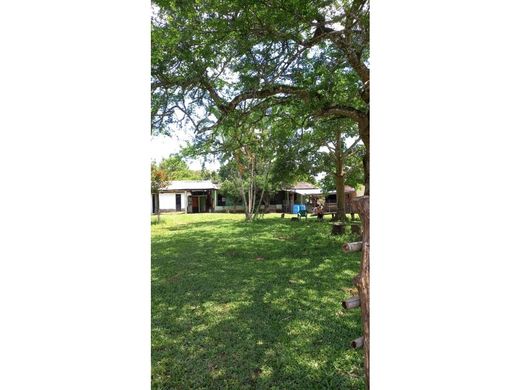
357, 343
361, 206
352, 246
351, 303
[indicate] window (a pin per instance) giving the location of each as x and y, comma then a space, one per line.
221, 200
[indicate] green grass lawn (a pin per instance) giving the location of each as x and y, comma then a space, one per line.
239, 305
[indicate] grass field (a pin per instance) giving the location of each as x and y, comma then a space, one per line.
239, 305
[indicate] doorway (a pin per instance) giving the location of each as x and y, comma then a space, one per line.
178, 202
155, 200
194, 204
202, 204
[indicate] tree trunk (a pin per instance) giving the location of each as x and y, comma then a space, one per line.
338, 229
366, 169
246, 203
266, 178
340, 197
252, 186
244, 197
364, 133
340, 179
362, 281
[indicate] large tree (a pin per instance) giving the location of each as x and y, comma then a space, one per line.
332, 140
177, 169
246, 150
215, 62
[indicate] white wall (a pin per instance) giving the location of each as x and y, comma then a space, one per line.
167, 201
184, 201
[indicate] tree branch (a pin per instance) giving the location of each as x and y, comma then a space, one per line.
342, 112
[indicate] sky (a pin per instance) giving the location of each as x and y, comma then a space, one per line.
162, 146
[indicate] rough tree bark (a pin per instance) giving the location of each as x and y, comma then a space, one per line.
244, 197
338, 229
362, 207
266, 178
364, 133
340, 178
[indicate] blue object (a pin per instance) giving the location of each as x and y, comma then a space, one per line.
296, 209
303, 207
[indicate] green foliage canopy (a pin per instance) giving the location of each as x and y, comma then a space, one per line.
221, 64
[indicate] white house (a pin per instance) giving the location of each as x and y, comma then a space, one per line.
189, 196
200, 196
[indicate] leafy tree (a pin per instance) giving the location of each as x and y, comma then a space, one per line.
177, 169
294, 151
248, 148
248, 161
209, 175
332, 136
320, 146
214, 63
230, 191
354, 176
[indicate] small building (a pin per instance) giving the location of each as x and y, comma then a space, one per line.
306, 193
201, 196
300, 193
189, 196
331, 203
280, 201
284, 200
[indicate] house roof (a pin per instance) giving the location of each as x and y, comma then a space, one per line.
191, 185
304, 188
347, 189
301, 185
317, 191
310, 191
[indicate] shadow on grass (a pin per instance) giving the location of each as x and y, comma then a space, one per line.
252, 305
